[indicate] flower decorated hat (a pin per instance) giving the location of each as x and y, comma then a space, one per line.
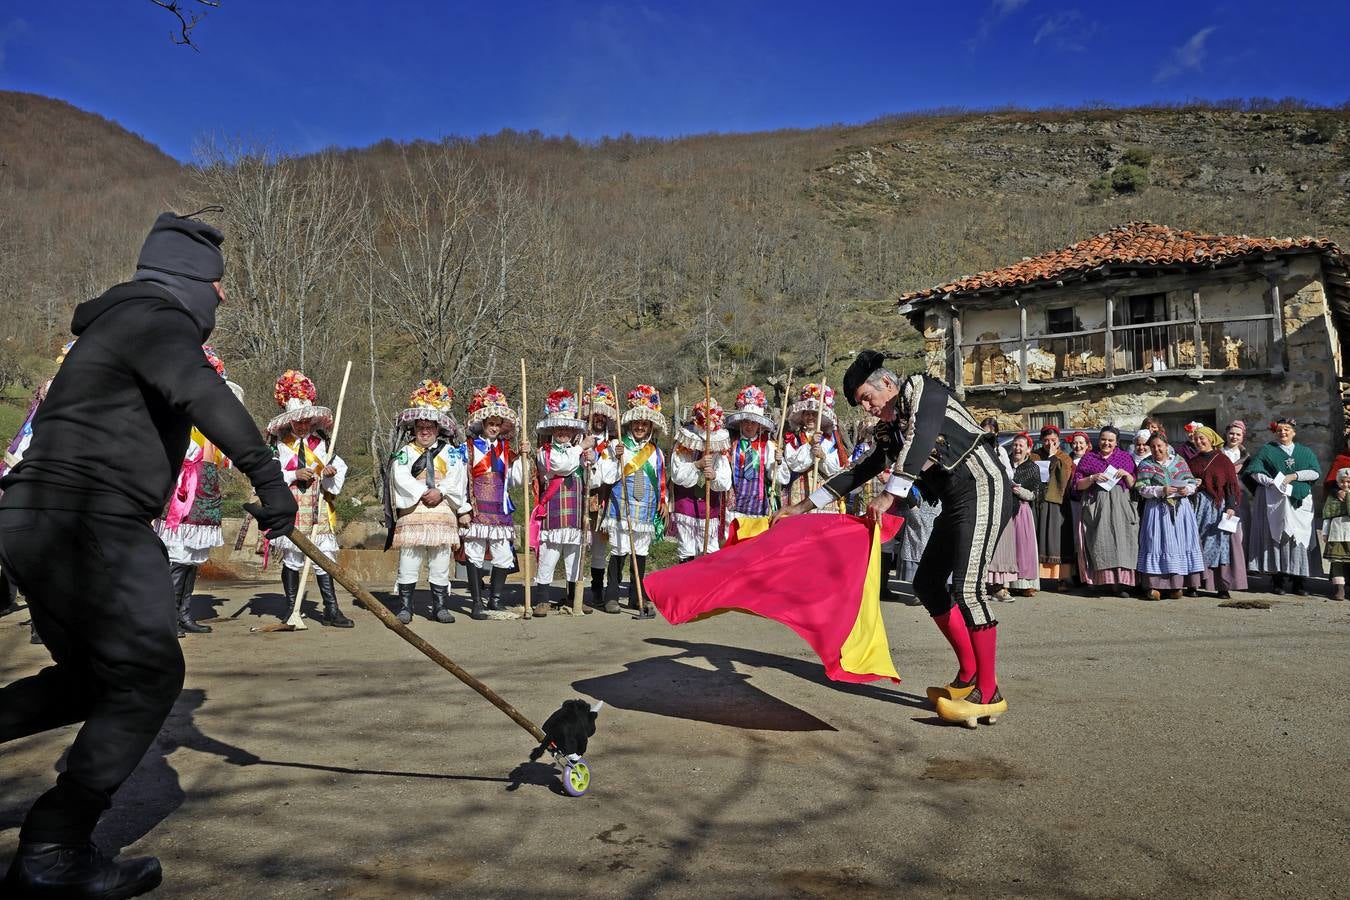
560, 411
707, 421
600, 399
751, 406
219, 366
811, 399
488, 403
295, 394
644, 403
430, 402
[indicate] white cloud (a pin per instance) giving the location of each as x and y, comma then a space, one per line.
1189, 56
1065, 31
998, 11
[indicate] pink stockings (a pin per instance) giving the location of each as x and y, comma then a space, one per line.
976, 651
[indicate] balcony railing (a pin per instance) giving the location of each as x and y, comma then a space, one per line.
1240, 344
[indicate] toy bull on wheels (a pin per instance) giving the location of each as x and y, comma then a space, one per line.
565, 732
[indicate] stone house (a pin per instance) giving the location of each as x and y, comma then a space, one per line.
1144, 319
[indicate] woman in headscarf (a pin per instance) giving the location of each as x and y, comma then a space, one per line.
1217, 501
1014, 565
1141, 451
1054, 532
1342, 461
1336, 529
1108, 533
1234, 447
1079, 446
1282, 508
1169, 540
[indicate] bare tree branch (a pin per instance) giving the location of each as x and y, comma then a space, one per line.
186, 20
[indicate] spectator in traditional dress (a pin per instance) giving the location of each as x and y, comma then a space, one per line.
1054, 530
1342, 461
1169, 539
1280, 475
1141, 451
1015, 564
1234, 447
1108, 528
1217, 501
1336, 530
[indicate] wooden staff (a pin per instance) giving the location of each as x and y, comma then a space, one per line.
707, 453
782, 437
577, 609
628, 519
294, 621
815, 432
363, 597
528, 612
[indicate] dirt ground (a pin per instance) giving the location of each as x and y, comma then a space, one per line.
1152, 749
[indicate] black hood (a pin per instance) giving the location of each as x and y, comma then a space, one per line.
183, 255
88, 311
198, 297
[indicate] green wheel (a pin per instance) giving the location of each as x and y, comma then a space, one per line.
576, 778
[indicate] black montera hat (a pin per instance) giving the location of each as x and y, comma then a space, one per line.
867, 362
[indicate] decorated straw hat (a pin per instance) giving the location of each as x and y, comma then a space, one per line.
295, 395
219, 366
488, 403
707, 420
644, 403
810, 400
430, 402
600, 399
751, 406
560, 411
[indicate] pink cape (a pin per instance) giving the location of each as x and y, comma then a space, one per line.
817, 574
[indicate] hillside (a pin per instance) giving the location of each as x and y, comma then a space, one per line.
731, 255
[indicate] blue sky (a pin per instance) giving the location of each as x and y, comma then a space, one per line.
307, 74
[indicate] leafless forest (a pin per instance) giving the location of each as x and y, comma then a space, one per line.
665, 261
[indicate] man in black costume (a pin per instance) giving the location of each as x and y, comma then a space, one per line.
926, 435
75, 536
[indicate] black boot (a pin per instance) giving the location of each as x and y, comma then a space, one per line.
184, 580
612, 594
498, 581
1296, 585
440, 603
405, 597
1277, 584
77, 870
647, 611
597, 587
331, 614
475, 577
33, 636
290, 586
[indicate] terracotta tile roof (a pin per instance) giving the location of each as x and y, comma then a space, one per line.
1134, 244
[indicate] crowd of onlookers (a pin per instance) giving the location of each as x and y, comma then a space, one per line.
1159, 515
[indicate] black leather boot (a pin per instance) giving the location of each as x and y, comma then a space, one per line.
644, 607
475, 576
440, 603
290, 586
1277, 584
597, 587
184, 580
612, 593
405, 596
78, 871
331, 614
498, 585
1296, 585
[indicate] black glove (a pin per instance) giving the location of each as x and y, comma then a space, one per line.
275, 512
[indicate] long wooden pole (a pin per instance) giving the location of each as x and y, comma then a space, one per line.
584, 557
782, 437
628, 519
707, 454
815, 432
363, 597
294, 620
525, 460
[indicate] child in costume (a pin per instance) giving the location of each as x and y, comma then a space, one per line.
1336, 530
299, 439
426, 495
754, 458
701, 458
190, 526
637, 507
557, 516
601, 412
812, 448
495, 469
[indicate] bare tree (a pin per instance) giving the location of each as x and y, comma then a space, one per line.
186, 20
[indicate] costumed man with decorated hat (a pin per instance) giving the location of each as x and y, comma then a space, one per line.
494, 469
556, 521
700, 458
636, 468
190, 526
601, 412
426, 497
754, 460
812, 447
107, 445
300, 440
926, 435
